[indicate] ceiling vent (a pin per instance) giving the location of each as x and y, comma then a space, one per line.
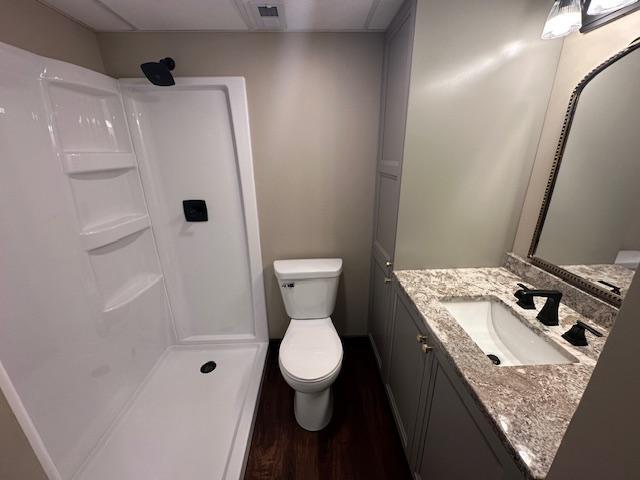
267, 11
266, 16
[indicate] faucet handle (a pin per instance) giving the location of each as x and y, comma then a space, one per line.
591, 329
524, 300
575, 335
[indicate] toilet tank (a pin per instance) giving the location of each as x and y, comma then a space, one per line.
308, 286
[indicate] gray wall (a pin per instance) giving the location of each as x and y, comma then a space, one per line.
602, 439
33, 26
480, 84
17, 459
580, 54
313, 104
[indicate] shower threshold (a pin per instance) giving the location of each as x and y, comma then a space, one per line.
184, 423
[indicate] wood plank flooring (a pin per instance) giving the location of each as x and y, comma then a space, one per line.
361, 442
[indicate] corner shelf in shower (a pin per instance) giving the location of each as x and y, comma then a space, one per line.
108, 232
87, 162
133, 290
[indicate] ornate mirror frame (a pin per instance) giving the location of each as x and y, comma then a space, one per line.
565, 275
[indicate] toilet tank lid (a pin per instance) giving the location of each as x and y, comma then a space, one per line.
308, 268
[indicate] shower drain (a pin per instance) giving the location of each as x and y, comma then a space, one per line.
208, 367
494, 359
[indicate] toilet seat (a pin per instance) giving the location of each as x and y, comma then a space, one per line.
311, 350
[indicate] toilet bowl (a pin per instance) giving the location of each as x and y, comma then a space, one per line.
310, 355
310, 359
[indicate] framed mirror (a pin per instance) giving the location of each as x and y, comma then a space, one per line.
588, 229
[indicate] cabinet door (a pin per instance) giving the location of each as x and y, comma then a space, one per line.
397, 69
407, 366
380, 313
454, 445
398, 46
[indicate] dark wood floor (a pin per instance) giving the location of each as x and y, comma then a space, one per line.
361, 442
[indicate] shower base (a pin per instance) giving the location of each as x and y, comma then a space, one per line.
183, 423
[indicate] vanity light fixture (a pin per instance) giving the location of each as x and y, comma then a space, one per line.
564, 18
601, 7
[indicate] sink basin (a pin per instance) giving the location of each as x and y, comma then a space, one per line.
500, 333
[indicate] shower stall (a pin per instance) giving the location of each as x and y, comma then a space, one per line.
133, 329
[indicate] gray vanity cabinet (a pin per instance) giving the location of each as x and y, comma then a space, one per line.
408, 370
381, 299
444, 433
454, 445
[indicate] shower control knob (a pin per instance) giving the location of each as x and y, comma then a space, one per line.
421, 338
387, 280
388, 264
425, 348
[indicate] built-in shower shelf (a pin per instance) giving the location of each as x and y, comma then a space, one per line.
105, 233
87, 162
130, 292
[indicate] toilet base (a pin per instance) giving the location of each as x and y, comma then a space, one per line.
313, 411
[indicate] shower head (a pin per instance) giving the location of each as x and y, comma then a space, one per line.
159, 73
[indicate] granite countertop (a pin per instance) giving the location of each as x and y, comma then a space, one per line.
529, 406
618, 275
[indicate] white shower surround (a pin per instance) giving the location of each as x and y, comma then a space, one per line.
204, 421
151, 129
85, 319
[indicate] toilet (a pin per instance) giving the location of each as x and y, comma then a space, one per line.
311, 352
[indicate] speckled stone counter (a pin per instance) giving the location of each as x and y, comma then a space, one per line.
617, 275
528, 406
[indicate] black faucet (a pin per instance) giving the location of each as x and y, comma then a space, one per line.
575, 335
548, 315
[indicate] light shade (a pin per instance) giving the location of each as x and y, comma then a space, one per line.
565, 17
600, 7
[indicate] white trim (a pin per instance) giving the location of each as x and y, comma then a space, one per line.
240, 118
215, 339
239, 454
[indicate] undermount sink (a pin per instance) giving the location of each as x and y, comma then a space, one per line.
502, 336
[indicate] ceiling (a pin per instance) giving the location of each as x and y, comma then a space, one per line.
229, 15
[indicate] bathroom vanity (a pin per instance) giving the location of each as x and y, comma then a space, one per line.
460, 415
481, 384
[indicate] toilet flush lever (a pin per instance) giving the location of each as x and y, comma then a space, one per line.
288, 285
